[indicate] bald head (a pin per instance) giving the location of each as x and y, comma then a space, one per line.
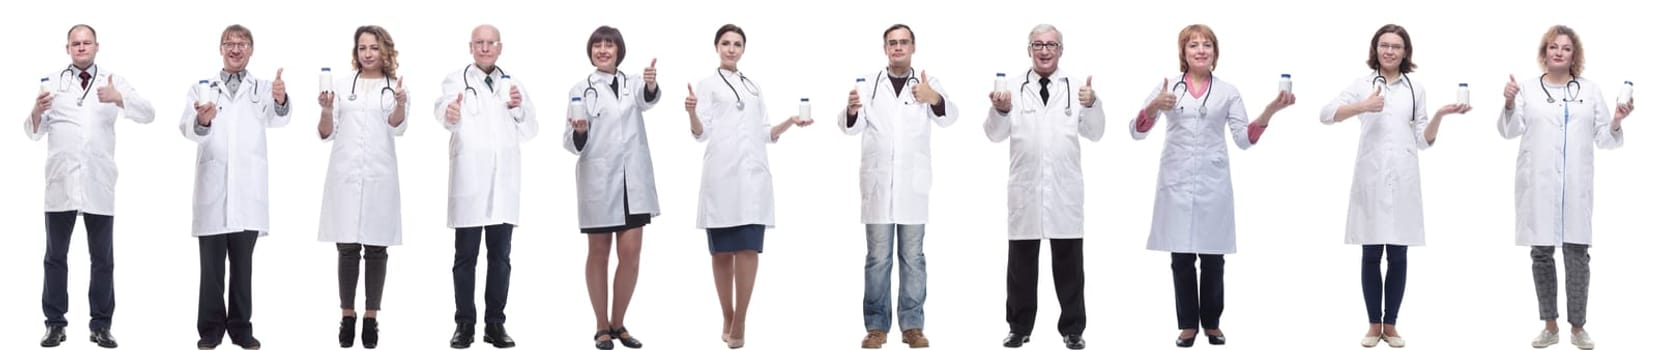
486, 47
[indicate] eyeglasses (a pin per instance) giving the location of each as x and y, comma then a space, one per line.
482, 43
1392, 47
1049, 45
236, 45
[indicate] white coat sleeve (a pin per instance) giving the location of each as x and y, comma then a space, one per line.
1420, 119
29, 126
1092, 122
408, 109
1133, 122
569, 128
453, 86
764, 126
704, 110
187, 122
862, 116
1348, 96
950, 112
276, 116
524, 116
1237, 119
997, 126
1604, 137
1511, 124
135, 107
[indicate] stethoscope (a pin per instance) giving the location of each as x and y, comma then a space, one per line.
1381, 80
219, 90
67, 74
913, 81
1569, 97
1182, 88
383, 90
746, 85
1024, 87
592, 108
468, 82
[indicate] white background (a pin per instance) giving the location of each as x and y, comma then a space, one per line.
1293, 285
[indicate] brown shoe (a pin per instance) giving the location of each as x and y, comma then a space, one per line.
875, 339
915, 339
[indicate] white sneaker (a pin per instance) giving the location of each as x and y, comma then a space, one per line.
1582, 341
1369, 342
1545, 339
1396, 342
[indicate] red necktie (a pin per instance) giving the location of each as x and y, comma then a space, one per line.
86, 78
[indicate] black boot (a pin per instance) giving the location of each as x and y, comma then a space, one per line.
495, 334
370, 333
463, 336
347, 331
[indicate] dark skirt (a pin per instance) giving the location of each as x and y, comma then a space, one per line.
633, 220
736, 239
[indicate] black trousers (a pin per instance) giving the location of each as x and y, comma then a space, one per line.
1023, 267
100, 243
213, 320
467, 240
350, 255
1196, 302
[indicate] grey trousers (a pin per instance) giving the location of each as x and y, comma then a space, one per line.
1547, 282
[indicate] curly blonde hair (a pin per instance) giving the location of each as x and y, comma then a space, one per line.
388, 49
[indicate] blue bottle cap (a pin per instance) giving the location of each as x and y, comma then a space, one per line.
44, 79
326, 69
1463, 84
1285, 75
204, 81
1000, 75
575, 98
860, 80
803, 99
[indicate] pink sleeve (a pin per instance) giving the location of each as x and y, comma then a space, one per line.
1255, 130
1145, 122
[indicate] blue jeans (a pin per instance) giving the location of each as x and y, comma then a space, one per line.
877, 277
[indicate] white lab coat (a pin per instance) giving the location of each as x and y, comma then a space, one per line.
736, 174
1554, 184
80, 154
361, 197
1194, 210
232, 192
1044, 180
615, 161
896, 172
1385, 206
485, 174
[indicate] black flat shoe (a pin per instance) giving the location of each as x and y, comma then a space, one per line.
495, 334
370, 333
1014, 340
1185, 342
205, 344
626, 339
463, 336
1074, 342
606, 344
54, 337
103, 338
347, 331
1215, 339
249, 343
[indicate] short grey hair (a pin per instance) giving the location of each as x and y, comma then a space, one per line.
1043, 28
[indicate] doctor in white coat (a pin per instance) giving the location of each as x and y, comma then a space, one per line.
615, 180
361, 199
232, 194
737, 204
1385, 213
488, 114
1559, 118
895, 180
76, 112
1044, 114
1194, 213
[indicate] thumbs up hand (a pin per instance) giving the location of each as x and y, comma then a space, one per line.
1511, 91
1375, 103
690, 99
108, 93
650, 76
452, 114
279, 89
402, 94
1164, 100
924, 92
1087, 93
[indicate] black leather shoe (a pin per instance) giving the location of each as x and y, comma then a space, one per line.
626, 339
1074, 341
103, 338
495, 334
1014, 340
249, 343
347, 331
1185, 342
463, 336
205, 344
54, 337
1215, 339
606, 344
370, 333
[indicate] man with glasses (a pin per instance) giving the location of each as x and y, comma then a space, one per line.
1043, 112
80, 177
895, 179
232, 207
488, 114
